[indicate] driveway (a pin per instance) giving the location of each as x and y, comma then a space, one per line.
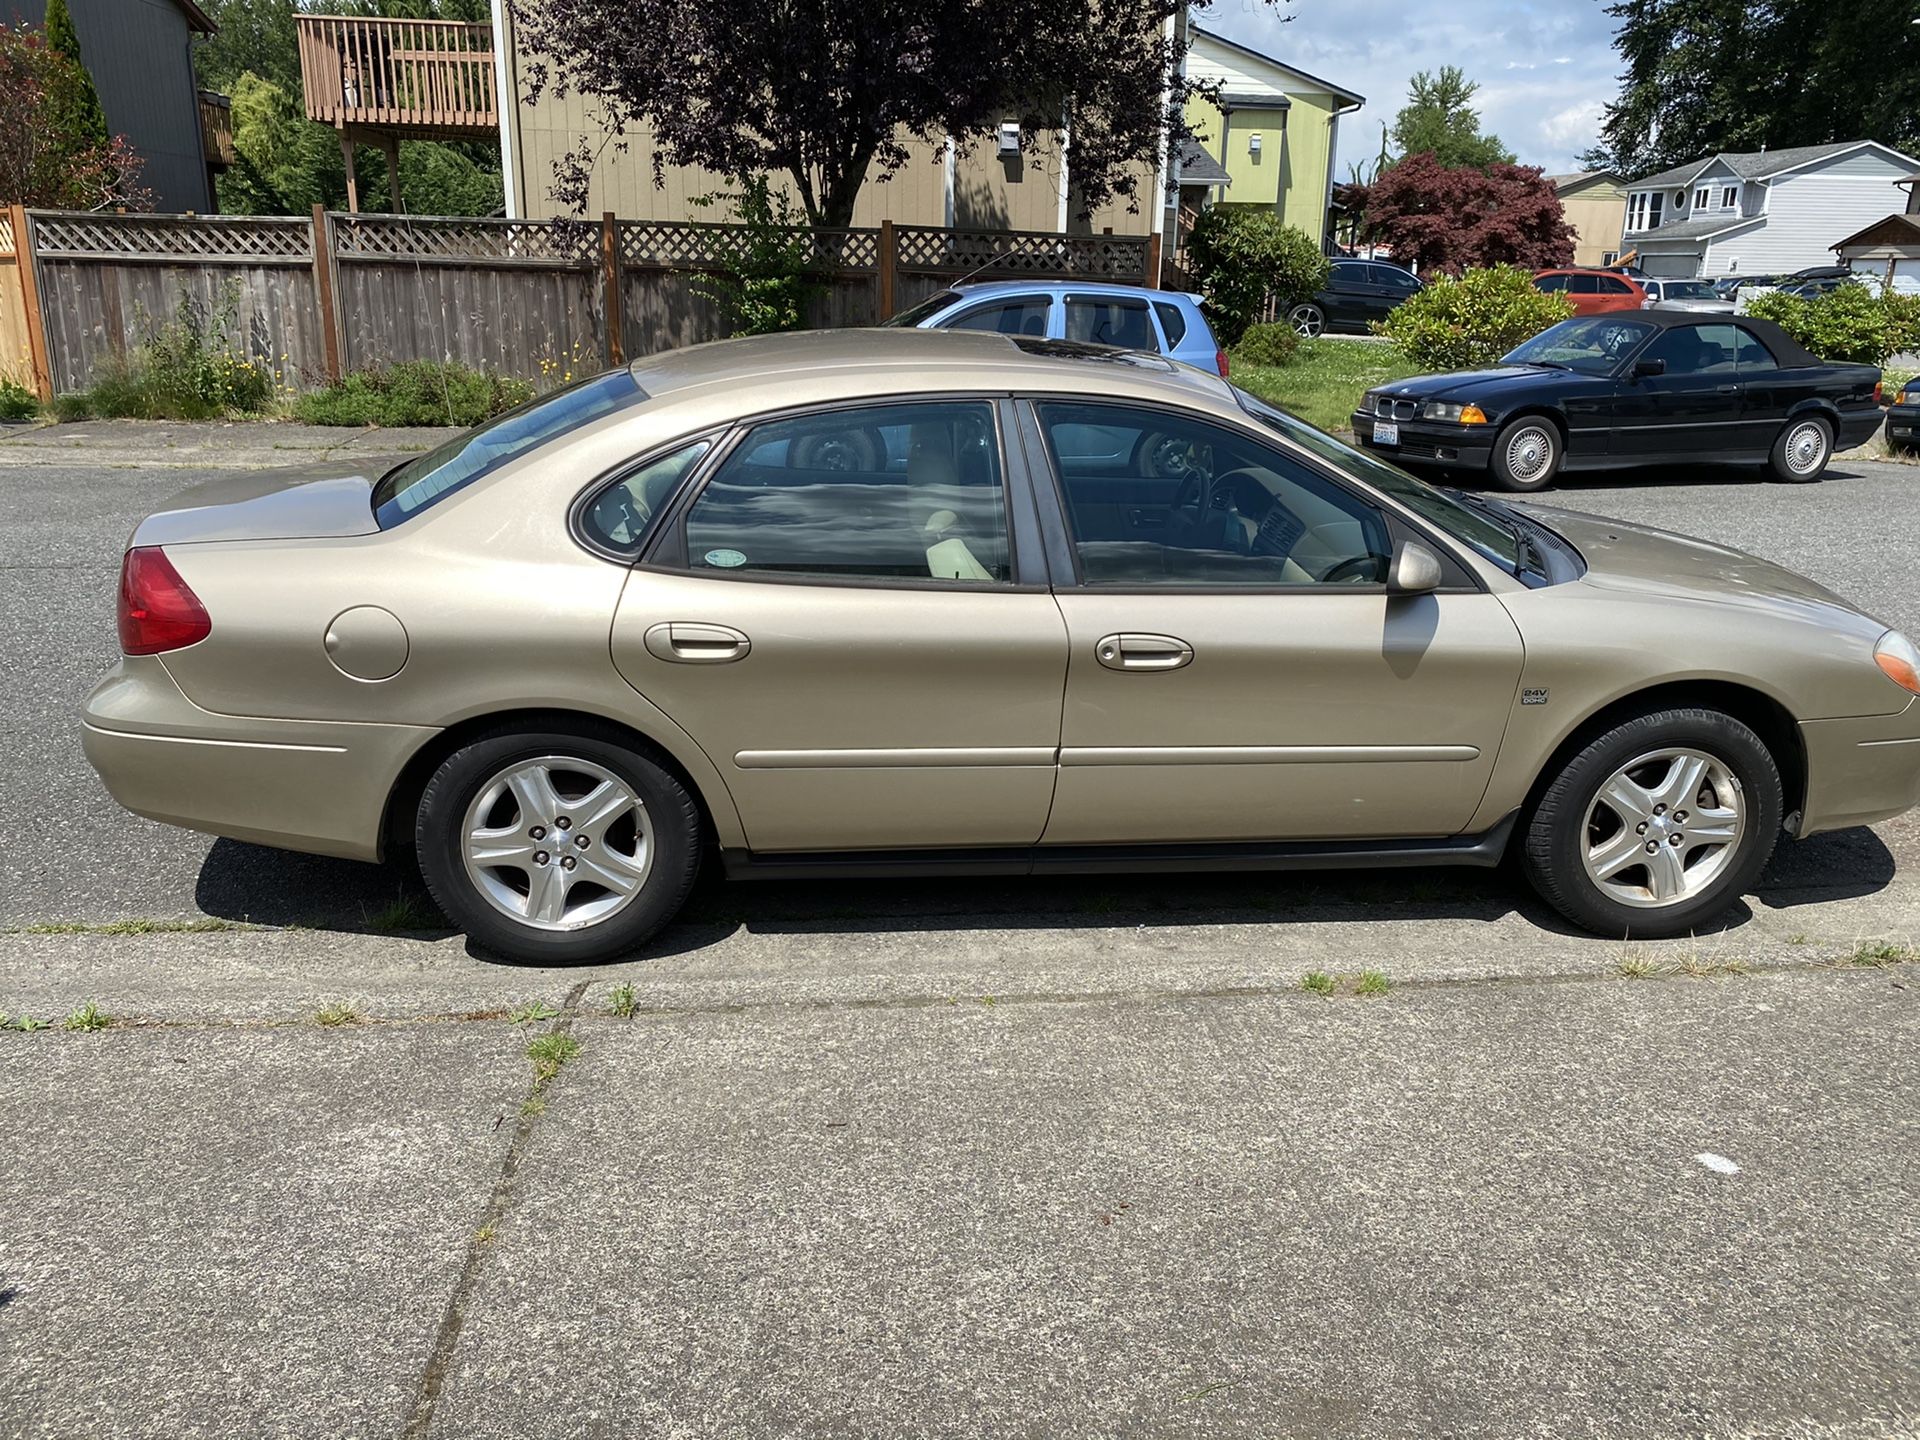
983, 1159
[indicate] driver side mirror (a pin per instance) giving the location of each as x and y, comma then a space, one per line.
1415, 570
1644, 368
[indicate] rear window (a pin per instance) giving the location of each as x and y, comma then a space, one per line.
406, 490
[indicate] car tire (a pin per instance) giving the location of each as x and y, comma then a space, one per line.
1308, 320
1526, 455
476, 807
1582, 853
1802, 450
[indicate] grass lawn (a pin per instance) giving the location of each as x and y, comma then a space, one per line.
1326, 379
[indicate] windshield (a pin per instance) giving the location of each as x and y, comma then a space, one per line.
1487, 534
1686, 290
907, 319
1593, 345
408, 489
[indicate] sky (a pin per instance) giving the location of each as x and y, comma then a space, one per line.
1545, 67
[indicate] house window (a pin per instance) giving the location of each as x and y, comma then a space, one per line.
1700, 198
1727, 197
1653, 211
1610, 257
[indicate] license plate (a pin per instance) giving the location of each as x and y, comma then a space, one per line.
1386, 432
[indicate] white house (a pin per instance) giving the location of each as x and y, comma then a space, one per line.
1765, 213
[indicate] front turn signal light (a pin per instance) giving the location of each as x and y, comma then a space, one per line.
1472, 415
1899, 661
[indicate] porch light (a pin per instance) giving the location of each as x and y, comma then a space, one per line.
1253, 144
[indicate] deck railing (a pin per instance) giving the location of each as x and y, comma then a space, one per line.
423, 75
216, 128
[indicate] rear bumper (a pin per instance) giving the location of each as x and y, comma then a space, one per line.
312, 785
1903, 425
1456, 446
1857, 429
1861, 770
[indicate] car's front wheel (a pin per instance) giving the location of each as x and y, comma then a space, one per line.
1656, 827
1802, 451
557, 847
1526, 455
1308, 320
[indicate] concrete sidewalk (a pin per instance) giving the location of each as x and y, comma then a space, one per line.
203, 445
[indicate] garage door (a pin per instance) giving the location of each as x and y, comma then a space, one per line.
1670, 267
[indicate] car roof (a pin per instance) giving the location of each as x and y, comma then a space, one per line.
976, 289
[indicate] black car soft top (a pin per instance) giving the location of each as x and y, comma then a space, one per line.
1788, 351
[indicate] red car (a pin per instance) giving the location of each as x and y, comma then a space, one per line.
1593, 291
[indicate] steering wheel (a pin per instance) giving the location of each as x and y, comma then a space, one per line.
1365, 568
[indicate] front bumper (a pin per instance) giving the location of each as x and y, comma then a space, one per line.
1861, 769
314, 785
1426, 442
1903, 425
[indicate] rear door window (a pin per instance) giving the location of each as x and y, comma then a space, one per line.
1104, 320
874, 493
1550, 284
1172, 322
406, 490
1021, 315
1583, 284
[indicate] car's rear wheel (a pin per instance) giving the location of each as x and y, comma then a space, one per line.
1802, 451
1308, 320
1526, 455
1656, 827
557, 847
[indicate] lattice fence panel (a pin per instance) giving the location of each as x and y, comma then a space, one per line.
1022, 252
401, 237
6, 235
680, 245
79, 236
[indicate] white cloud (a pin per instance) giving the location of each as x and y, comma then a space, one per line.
1575, 127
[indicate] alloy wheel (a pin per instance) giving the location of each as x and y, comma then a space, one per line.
1663, 828
557, 842
1307, 320
1529, 453
1806, 448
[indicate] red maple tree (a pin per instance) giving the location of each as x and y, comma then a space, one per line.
1438, 219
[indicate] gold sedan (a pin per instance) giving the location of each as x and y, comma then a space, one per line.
893, 602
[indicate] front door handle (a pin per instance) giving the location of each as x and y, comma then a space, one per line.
686, 643
1143, 652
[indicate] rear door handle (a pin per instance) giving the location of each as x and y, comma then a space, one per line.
686, 643
1143, 652
1726, 390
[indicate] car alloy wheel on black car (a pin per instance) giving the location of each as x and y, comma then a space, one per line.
1526, 456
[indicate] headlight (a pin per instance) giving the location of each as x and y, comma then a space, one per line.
1457, 414
1898, 660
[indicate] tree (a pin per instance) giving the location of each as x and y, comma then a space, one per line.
1450, 219
1243, 254
1704, 76
822, 95
79, 114
1439, 120
48, 157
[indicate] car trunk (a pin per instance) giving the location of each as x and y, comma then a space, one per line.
308, 502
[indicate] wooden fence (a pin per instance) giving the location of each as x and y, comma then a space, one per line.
318, 296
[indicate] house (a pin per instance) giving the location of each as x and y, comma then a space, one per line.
139, 53
1596, 206
1273, 132
1767, 212
1889, 249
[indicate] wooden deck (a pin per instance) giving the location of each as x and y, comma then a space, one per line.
412, 79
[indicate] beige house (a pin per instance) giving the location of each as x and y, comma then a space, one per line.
1596, 206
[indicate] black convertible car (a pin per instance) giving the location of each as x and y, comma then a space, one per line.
1630, 388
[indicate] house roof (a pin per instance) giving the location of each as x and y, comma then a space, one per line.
1198, 167
1893, 230
197, 19
1696, 229
1205, 34
1750, 165
1579, 179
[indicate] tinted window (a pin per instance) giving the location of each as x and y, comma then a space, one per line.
1686, 290
1394, 279
1695, 349
1346, 274
925, 310
1172, 322
1550, 283
1026, 315
1592, 345
1110, 322
1583, 284
1157, 497
890, 492
408, 489
622, 515
1751, 353
1608, 285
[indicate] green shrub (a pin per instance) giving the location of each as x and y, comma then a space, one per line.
766, 288
415, 392
1474, 320
1240, 257
186, 369
16, 401
1852, 324
1267, 345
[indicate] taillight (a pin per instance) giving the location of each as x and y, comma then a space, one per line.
1220, 361
1879, 392
157, 610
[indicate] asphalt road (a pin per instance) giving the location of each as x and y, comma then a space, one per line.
1005, 1159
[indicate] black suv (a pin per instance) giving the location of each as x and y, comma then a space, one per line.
1357, 291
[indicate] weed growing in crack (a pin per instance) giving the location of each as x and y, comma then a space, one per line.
1637, 967
88, 1017
531, 1012
406, 915
1878, 954
623, 1002
549, 1053
1372, 982
337, 1013
1317, 982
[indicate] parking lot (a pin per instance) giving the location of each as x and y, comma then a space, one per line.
1000, 1158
